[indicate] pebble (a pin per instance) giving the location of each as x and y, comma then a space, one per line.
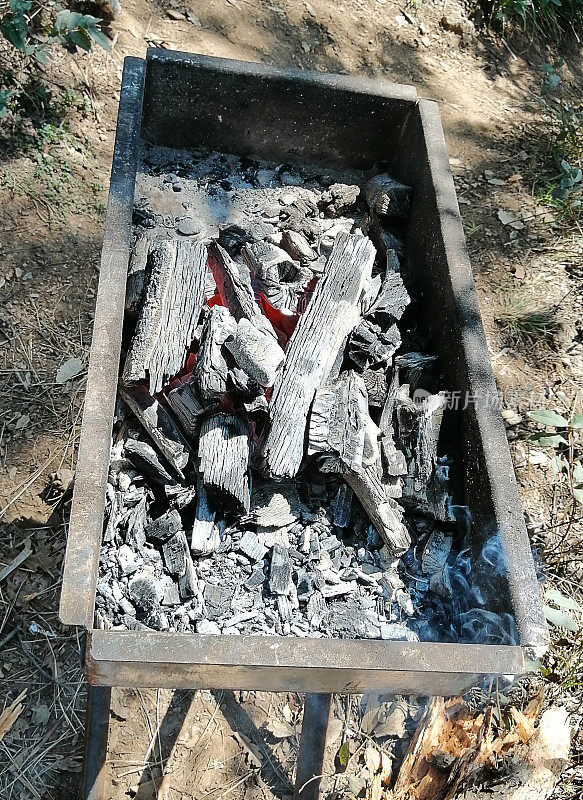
188, 226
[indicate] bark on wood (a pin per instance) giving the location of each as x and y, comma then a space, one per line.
337, 424
211, 370
187, 407
371, 492
204, 534
422, 745
333, 309
388, 197
169, 314
256, 352
137, 273
224, 460
159, 426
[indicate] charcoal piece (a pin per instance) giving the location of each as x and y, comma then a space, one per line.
280, 573
316, 610
330, 543
129, 562
440, 583
179, 495
130, 623
234, 284
274, 504
137, 270
391, 301
337, 424
159, 426
232, 237
176, 553
370, 293
136, 522
258, 407
168, 590
369, 489
187, 407
164, 527
305, 587
338, 199
217, 598
388, 197
300, 217
404, 602
187, 582
250, 545
393, 460
298, 247
389, 244
143, 592
211, 369
284, 608
436, 552
398, 632
370, 346
256, 578
207, 627
346, 621
375, 381
145, 459
281, 281
204, 534
315, 552
224, 460
416, 364
310, 356
256, 352
342, 506
339, 589
169, 314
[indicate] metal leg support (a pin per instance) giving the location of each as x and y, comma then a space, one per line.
96, 730
312, 745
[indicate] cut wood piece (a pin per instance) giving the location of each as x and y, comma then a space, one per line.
145, 460
169, 314
159, 426
280, 574
204, 534
391, 301
187, 406
423, 745
164, 527
256, 352
388, 197
337, 424
176, 554
234, 284
211, 370
382, 511
137, 273
224, 460
274, 504
370, 346
332, 313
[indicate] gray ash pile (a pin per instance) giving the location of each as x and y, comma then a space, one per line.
275, 465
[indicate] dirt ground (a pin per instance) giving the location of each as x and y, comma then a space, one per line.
52, 201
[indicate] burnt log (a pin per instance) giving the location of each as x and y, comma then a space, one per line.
137, 272
281, 281
211, 369
187, 407
388, 197
223, 453
159, 426
169, 314
382, 511
332, 313
255, 351
337, 424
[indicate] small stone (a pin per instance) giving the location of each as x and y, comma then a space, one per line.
188, 226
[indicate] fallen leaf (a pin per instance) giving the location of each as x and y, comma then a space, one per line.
40, 715
70, 369
280, 729
10, 714
505, 217
22, 422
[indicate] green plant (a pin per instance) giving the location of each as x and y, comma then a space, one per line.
548, 16
523, 318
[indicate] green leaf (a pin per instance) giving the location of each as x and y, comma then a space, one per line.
554, 596
560, 619
576, 421
98, 37
13, 27
5, 95
548, 439
578, 472
578, 494
343, 754
550, 418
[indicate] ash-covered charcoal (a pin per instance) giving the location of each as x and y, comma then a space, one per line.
388, 197
282, 451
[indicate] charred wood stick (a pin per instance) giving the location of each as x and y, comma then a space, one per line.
332, 313
224, 460
137, 273
169, 314
388, 197
211, 370
369, 489
187, 407
145, 459
159, 426
204, 534
256, 353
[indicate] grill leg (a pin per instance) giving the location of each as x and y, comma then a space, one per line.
312, 745
96, 730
